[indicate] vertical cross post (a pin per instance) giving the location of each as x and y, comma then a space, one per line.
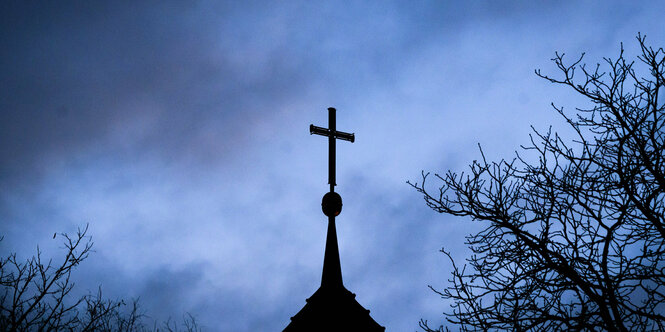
332, 125
332, 134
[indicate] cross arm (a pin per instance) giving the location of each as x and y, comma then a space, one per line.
326, 132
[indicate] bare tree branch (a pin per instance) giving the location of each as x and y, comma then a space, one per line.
575, 240
36, 296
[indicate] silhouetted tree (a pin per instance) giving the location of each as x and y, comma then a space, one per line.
574, 229
37, 296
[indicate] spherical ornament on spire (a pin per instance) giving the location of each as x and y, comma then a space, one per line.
331, 204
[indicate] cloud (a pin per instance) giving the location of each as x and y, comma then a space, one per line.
179, 131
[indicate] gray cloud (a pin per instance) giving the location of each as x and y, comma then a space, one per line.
178, 130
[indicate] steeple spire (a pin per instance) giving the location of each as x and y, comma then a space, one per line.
332, 307
332, 202
332, 269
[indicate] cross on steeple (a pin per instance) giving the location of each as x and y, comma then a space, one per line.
332, 134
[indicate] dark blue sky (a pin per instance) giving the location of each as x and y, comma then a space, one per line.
179, 131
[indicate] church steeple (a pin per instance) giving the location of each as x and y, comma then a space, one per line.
332, 307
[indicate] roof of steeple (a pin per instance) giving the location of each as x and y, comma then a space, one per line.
333, 310
332, 307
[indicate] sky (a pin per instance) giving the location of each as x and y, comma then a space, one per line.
179, 132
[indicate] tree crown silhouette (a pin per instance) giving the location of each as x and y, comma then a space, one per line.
574, 228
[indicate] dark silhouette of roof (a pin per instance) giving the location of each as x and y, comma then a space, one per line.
332, 307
